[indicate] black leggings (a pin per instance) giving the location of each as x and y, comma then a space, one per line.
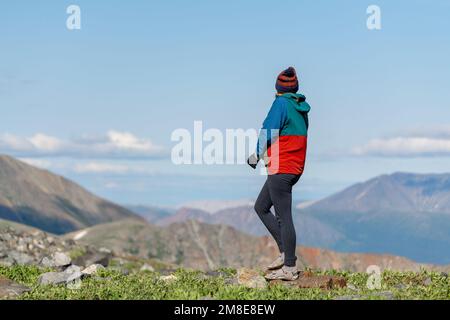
277, 192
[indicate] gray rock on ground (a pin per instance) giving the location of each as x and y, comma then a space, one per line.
57, 259
11, 289
77, 275
92, 269
72, 269
251, 279
53, 278
71, 274
427, 282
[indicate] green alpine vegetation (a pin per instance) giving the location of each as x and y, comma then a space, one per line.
221, 284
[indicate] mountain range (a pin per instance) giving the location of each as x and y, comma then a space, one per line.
402, 213
38, 198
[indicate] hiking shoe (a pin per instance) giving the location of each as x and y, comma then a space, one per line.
277, 264
285, 273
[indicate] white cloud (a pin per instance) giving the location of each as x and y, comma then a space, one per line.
126, 141
96, 167
407, 146
114, 144
45, 143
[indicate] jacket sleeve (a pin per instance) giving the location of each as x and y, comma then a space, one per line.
272, 125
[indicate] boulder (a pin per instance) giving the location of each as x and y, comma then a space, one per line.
251, 279
53, 278
11, 289
57, 259
77, 275
92, 269
72, 269
308, 280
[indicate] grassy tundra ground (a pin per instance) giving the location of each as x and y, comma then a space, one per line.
111, 284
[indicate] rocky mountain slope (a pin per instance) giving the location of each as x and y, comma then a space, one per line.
310, 231
50, 202
206, 247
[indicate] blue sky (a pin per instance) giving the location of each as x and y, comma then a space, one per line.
98, 105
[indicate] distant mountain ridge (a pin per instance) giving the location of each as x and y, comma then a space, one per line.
38, 198
402, 192
402, 214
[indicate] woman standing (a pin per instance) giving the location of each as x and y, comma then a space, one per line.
282, 143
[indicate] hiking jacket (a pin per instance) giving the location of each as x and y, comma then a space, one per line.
283, 137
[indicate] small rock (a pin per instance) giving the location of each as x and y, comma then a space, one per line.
5, 237
306, 280
352, 287
61, 259
168, 278
77, 275
444, 274
427, 282
400, 286
53, 278
10, 288
147, 267
92, 269
46, 262
251, 279
72, 269
57, 259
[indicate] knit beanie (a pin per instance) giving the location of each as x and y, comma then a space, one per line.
287, 81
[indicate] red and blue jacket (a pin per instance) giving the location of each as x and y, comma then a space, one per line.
283, 137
